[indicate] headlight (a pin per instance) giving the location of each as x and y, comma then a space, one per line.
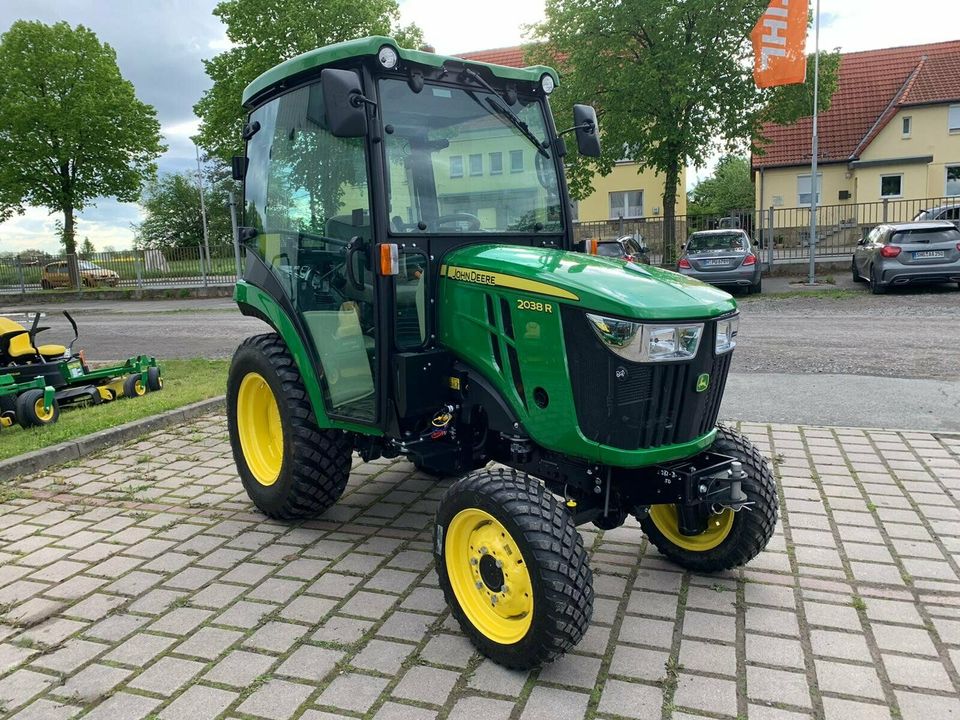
727, 334
648, 343
547, 84
388, 57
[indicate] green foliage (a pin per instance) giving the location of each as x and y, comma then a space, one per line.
87, 249
671, 81
730, 188
786, 103
171, 205
71, 128
267, 32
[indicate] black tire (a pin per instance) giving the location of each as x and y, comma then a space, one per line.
855, 274
875, 286
757, 287
751, 528
30, 412
557, 566
45, 285
315, 464
133, 386
154, 380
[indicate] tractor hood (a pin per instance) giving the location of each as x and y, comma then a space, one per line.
598, 284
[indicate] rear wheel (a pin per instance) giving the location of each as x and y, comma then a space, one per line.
731, 538
876, 287
154, 380
290, 467
513, 568
854, 273
31, 411
757, 287
133, 386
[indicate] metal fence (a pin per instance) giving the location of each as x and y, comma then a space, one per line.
182, 267
782, 234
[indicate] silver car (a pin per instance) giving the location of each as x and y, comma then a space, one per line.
721, 257
944, 212
908, 253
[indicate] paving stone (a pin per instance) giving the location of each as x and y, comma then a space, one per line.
368, 604
309, 662
126, 706
848, 646
575, 671
116, 627
546, 703
452, 650
705, 693
779, 686
383, 656
352, 691
839, 709
493, 678
308, 609
848, 679
406, 626
199, 703
73, 654
140, 649
917, 673
180, 621
244, 614
396, 711
334, 585
92, 683
471, 708
917, 706
18, 687
240, 668
638, 663
276, 636
341, 630
706, 657
208, 642
44, 709
426, 684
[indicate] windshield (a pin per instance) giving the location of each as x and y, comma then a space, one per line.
714, 242
609, 249
84, 265
458, 163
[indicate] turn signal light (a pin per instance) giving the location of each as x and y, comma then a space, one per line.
389, 259
890, 251
684, 264
750, 260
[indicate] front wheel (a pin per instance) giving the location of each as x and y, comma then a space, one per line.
513, 568
730, 538
31, 412
289, 466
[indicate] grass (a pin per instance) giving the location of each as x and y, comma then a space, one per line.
825, 294
184, 382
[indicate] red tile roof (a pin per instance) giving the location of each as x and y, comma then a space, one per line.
873, 85
510, 56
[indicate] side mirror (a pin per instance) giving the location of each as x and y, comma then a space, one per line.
343, 103
587, 129
239, 167
862, 241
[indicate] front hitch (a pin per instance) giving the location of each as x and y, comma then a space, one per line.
706, 484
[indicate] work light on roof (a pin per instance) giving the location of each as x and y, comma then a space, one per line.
388, 57
546, 83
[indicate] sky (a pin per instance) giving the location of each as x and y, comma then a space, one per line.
160, 46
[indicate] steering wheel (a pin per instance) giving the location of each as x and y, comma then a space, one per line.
442, 220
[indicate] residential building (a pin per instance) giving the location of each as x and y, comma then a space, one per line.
892, 132
628, 191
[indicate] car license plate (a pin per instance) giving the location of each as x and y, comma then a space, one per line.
928, 254
714, 262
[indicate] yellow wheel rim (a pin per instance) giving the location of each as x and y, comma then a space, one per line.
667, 522
489, 576
260, 430
139, 388
43, 415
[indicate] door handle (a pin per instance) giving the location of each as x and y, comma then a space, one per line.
355, 245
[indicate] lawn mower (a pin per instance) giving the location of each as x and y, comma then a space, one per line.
67, 372
33, 402
409, 239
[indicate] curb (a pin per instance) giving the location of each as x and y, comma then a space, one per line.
37, 297
37, 460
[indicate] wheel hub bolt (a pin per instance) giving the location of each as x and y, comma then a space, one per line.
473, 561
499, 564
703, 489
479, 585
483, 550
493, 600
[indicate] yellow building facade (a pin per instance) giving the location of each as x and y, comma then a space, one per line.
630, 191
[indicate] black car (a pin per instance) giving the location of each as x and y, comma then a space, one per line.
631, 248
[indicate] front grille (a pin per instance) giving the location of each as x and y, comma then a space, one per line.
632, 406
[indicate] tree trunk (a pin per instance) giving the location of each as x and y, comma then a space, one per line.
70, 246
671, 180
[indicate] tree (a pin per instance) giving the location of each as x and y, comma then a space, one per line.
671, 80
267, 32
71, 128
729, 188
171, 204
87, 249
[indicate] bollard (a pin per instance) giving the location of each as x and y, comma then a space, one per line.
138, 268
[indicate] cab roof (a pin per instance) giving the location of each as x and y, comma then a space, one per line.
315, 59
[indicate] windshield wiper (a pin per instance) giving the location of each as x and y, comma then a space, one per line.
506, 112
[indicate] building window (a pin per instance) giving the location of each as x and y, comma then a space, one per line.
476, 164
516, 161
456, 166
627, 204
803, 189
496, 163
953, 180
906, 127
891, 186
953, 119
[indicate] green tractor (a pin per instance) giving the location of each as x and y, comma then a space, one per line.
409, 239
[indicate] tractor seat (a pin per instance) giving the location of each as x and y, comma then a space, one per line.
15, 347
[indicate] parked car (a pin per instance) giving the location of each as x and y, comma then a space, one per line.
722, 258
944, 212
629, 247
58, 275
908, 253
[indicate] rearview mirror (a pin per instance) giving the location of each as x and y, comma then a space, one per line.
343, 103
239, 167
587, 129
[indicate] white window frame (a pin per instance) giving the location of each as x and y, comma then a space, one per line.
946, 181
479, 169
800, 202
494, 170
891, 175
906, 126
456, 160
624, 206
953, 119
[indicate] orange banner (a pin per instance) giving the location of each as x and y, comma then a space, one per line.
779, 40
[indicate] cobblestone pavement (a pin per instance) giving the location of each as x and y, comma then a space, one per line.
142, 583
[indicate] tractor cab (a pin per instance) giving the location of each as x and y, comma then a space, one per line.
409, 241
